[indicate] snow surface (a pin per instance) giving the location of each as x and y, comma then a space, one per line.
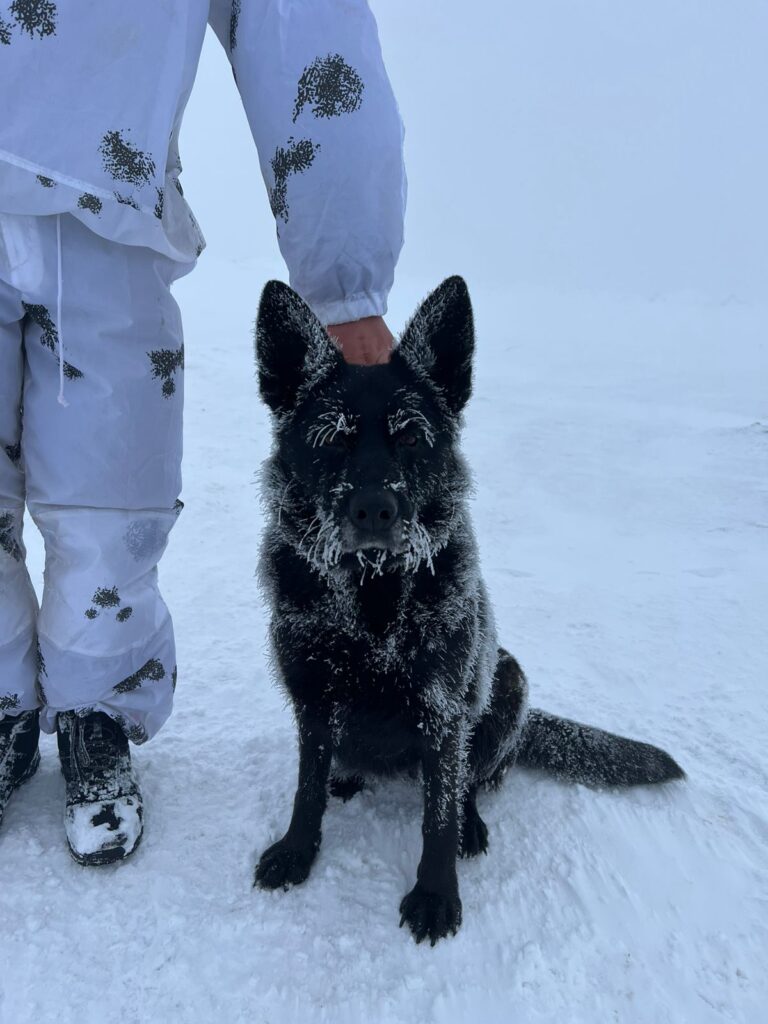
615, 249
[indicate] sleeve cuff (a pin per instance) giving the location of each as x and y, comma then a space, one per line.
354, 307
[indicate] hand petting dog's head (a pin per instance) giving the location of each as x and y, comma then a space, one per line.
362, 453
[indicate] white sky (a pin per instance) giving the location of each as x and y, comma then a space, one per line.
618, 147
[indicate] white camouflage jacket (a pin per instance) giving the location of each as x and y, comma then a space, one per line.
93, 93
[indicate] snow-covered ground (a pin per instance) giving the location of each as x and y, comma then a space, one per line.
618, 436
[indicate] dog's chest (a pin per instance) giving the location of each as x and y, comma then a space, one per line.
396, 657
357, 664
380, 691
363, 653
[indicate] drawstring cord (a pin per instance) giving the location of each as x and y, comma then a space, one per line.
59, 321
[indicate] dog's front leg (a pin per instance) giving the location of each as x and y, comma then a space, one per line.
433, 908
288, 861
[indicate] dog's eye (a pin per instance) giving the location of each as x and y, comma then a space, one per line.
408, 439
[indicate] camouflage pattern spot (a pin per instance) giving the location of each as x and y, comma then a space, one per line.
5, 33
295, 159
145, 537
46, 182
41, 669
9, 702
13, 451
165, 362
151, 670
174, 677
8, 542
106, 597
40, 690
124, 161
49, 336
90, 202
330, 86
37, 17
126, 200
160, 202
234, 22
40, 315
71, 372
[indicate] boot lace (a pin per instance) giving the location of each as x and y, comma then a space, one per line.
93, 747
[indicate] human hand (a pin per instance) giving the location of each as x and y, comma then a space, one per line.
363, 342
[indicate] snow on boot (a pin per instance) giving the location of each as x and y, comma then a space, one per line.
19, 756
104, 810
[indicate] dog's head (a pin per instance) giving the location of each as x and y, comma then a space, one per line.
366, 470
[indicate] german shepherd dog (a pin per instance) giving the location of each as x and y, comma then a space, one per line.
382, 632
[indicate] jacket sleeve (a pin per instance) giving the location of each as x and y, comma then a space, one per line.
330, 143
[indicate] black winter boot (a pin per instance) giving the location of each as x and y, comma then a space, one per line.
103, 817
19, 756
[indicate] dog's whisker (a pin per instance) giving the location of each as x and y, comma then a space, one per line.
375, 563
325, 548
420, 547
308, 530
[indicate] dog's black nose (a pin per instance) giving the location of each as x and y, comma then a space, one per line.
373, 509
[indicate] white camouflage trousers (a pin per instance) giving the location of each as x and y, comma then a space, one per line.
91, 390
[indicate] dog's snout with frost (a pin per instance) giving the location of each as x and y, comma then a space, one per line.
373, 510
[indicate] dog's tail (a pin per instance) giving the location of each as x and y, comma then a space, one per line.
581, 753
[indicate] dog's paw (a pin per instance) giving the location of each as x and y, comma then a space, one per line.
347, 787
431, 915
282, 866
474, 836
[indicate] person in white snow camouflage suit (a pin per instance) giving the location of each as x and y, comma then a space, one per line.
94, 230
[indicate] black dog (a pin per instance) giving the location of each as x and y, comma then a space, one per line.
381, 628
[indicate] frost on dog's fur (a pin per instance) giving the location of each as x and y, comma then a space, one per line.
382, 631
296, 359
294, 352
438, 343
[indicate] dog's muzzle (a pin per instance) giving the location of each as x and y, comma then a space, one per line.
373, 511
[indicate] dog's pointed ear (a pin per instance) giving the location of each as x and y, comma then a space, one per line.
439, 340
293, 349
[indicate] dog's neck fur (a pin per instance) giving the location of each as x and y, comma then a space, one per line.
382, 600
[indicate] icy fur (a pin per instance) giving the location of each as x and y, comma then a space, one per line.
296, 320
405, 417
328, 425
